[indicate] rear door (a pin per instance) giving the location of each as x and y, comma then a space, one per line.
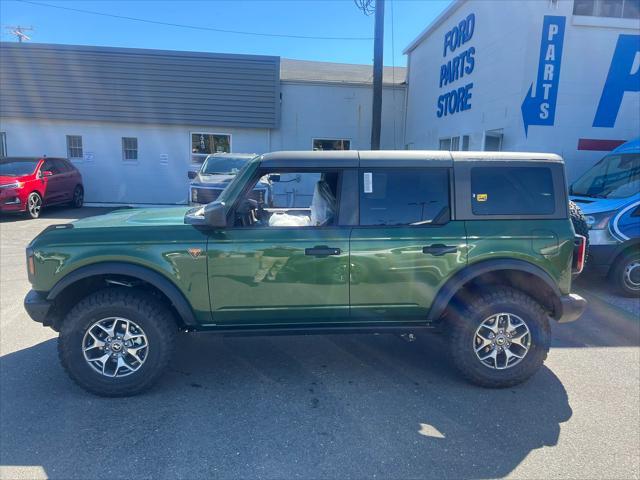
407, 244
67, 179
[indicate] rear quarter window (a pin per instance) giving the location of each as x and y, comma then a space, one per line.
512, 191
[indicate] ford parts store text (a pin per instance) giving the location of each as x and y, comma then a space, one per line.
556, 76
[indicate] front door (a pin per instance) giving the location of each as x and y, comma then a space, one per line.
285, 261
406, 245
54, 182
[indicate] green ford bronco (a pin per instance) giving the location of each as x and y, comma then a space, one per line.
478, 246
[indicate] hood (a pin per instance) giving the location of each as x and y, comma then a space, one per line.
590, 205
136, 217
5, 179
217, 180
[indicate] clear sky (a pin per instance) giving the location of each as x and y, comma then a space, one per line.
321, 18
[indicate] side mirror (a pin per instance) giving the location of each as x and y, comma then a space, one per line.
191, 174
47, 173
212, 215
215, 215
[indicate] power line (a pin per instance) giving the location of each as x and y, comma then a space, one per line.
194, 27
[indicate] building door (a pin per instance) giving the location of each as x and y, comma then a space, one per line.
406, 245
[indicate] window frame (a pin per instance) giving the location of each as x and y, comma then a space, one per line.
125, 149
463, 194
69, 147
345, 187
329, 139
450, 194
204, 155
596, 6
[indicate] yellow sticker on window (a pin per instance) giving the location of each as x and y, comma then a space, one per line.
481, 197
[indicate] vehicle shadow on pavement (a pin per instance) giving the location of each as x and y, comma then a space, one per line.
279, 407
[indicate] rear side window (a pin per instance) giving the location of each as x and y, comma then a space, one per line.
512, 191
404, 196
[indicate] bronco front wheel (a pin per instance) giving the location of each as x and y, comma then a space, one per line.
500, 339
117, 342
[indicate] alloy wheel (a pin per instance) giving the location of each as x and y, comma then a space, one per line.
631, 275
502, 341
34, 203
115, 347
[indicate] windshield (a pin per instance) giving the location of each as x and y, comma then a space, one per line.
615, 176
13, 167
223, 165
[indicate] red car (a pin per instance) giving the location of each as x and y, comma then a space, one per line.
29, 183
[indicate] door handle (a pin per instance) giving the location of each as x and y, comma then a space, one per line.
322, 251
439, 249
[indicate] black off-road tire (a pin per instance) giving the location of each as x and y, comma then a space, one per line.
463, 325
155, 319
579, 224
619, 274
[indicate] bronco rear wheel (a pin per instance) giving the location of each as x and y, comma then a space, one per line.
500, 339
117, 342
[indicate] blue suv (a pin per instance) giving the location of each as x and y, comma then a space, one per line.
609, 195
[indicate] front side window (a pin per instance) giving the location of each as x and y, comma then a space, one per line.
512, 191
328, 144
74, 146
390, 197
203, 144
615, 176
51, 166
291, 199
129, 148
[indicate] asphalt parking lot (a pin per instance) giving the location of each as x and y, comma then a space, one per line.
360, 406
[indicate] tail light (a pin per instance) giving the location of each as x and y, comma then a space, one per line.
579, 253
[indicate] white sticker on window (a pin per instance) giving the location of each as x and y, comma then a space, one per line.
368, 182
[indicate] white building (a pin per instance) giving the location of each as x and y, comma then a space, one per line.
133, 121
559, 76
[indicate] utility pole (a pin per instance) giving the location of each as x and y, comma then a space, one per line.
378, 47
18, 31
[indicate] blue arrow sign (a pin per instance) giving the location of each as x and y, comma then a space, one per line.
539, 106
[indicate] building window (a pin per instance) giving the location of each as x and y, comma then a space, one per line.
493, 141
203, 144
129, 148
331, 144
454, 144
445, 144
404, 197
74, 146
512, 191
3, 144
607, 8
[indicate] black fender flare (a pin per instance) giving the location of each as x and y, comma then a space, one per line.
453, 285
145, 274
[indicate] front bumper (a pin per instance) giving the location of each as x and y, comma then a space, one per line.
11, 202
573, 306
38, 307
